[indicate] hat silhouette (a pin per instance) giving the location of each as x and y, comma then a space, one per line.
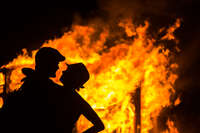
48, 54
77, 74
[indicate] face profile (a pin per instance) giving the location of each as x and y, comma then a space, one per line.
75, 76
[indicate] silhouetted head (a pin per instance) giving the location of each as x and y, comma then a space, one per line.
47, 60
75, 76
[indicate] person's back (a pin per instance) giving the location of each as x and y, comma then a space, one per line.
38, 91
35, 106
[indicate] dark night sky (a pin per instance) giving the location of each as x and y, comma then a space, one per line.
30, 27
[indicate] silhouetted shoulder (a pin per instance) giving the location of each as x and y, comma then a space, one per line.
81, 104
78, 99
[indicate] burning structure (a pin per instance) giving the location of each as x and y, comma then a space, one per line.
132, 73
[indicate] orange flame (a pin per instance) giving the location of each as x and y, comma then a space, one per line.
116, 72
1, 102
170, 31
171, 129
177, 102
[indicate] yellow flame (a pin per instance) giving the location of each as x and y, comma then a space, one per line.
2, 82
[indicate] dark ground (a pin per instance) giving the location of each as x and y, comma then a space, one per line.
30, 27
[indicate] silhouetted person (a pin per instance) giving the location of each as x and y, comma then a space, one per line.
74, 78
35, 107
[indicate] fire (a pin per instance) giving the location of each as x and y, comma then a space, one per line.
172, 129
1, 102
116, 73
177, 102
2, 82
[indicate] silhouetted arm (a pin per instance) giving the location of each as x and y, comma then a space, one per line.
92, 116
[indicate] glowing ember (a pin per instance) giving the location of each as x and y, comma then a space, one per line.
1, 102
116, 72
177, 102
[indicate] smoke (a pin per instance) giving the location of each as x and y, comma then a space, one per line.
188, 61
188, 86
160, 12
143, 8
134, 7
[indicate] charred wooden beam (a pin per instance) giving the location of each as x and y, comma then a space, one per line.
138, 110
